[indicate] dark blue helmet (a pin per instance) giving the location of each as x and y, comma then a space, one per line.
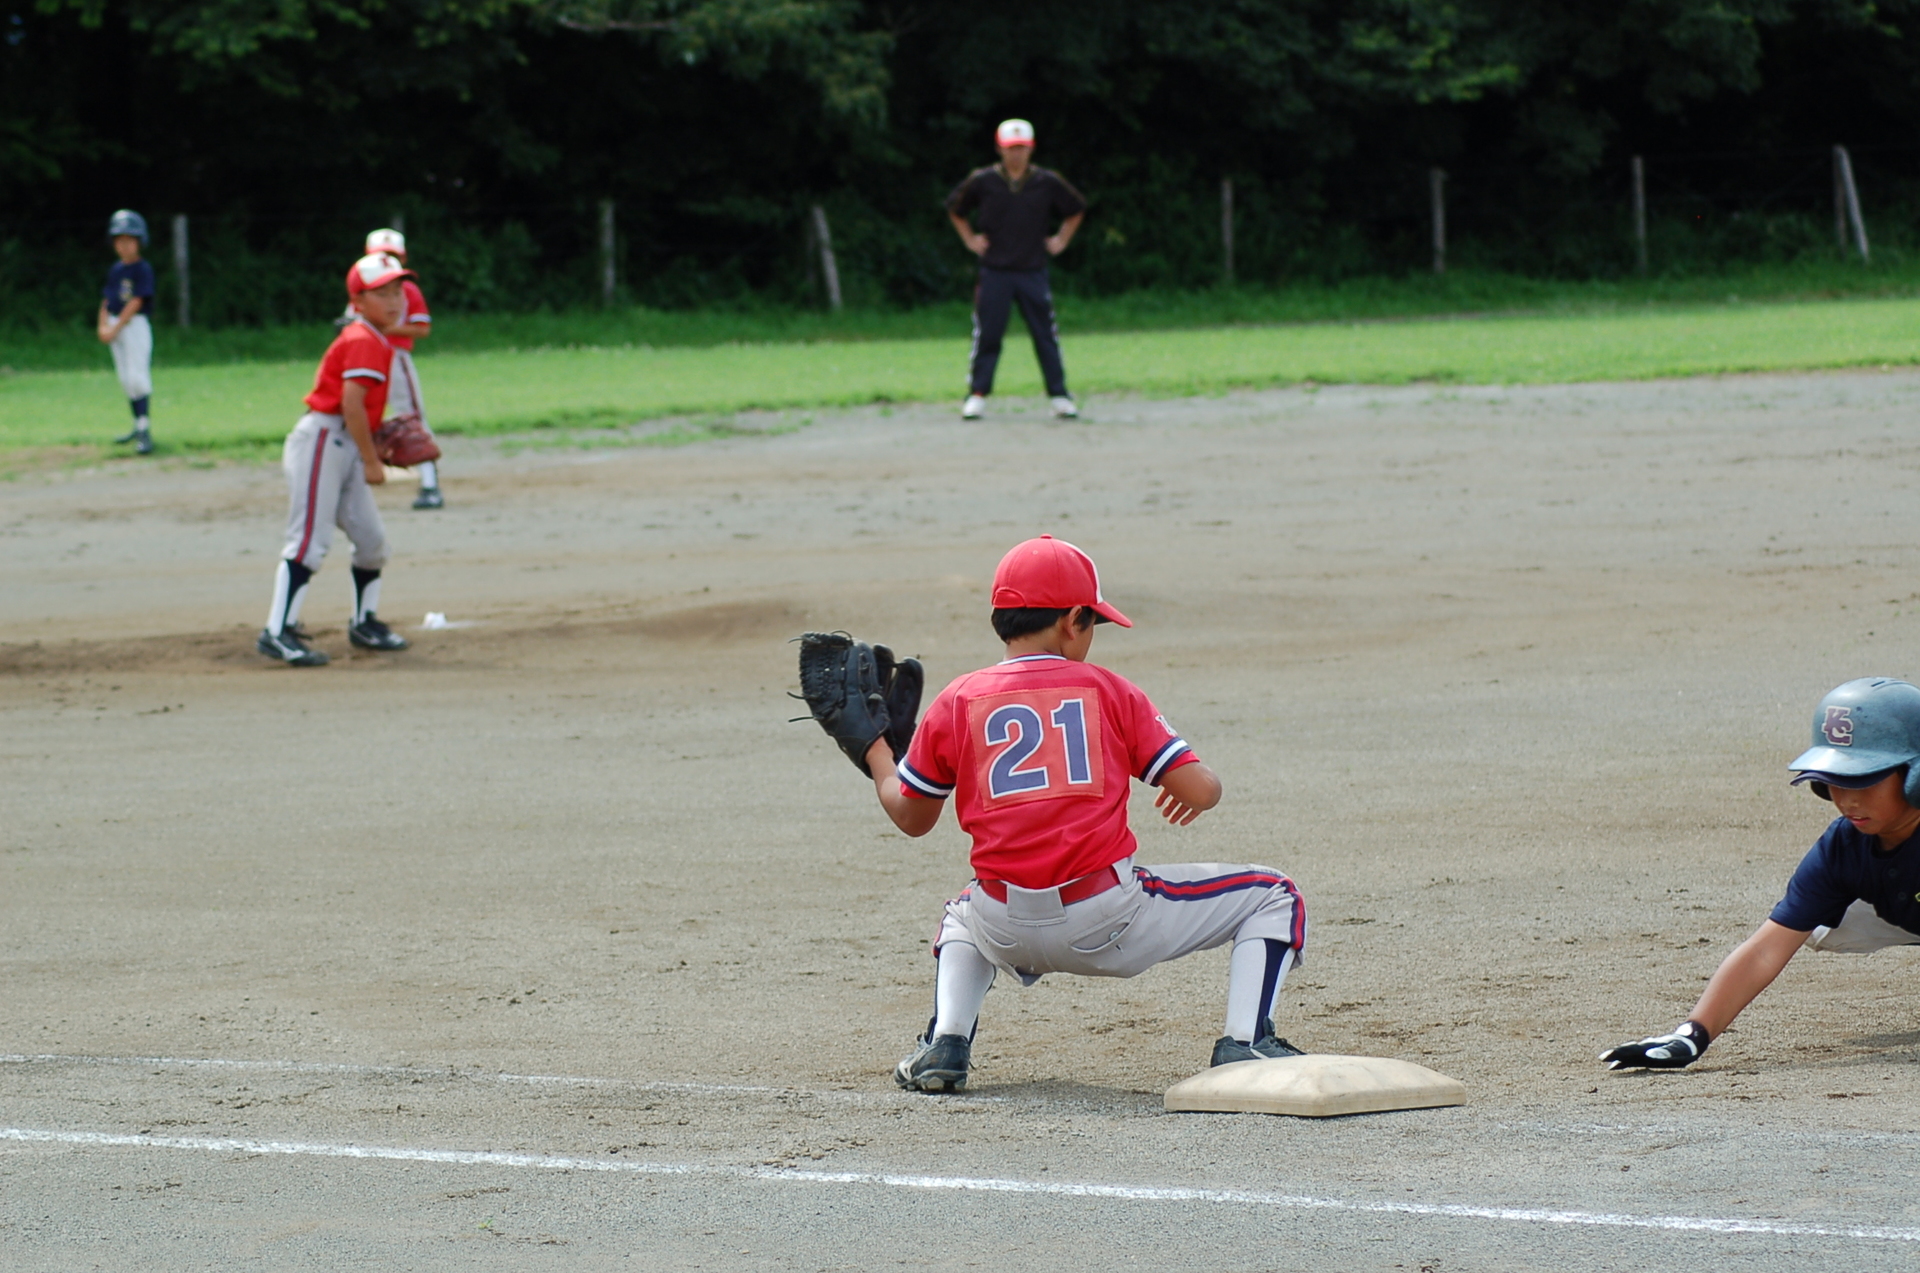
1862, 731
127, 221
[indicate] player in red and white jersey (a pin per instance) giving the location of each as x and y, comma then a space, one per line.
331, 468
1038, 754
416, 323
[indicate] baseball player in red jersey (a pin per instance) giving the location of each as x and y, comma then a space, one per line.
415, 324
331, 463
1038, 753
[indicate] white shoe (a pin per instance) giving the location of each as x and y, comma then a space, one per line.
1064, 409
973, 408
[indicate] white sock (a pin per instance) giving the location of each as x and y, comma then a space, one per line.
1255, 976
429, 475
369, 600
286, 597
140, 424
277, 617
959, 990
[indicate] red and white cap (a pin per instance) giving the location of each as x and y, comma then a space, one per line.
1050, 574
375, 269
1014, 132
386, 241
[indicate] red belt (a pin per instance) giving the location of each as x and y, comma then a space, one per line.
1072, 891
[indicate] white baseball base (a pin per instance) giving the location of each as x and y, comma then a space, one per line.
1315, 1087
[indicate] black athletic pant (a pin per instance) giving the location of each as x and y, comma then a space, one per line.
993, 298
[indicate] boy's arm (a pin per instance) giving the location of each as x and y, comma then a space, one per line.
1187, 792
1739, 980
353, 406
109, 329
1743, 974
911, 814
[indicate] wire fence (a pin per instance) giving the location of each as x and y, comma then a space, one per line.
1704, 211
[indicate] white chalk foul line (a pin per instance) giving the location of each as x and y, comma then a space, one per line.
408, 1072
966, 1184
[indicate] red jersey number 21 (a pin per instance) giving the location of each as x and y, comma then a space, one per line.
1038, 745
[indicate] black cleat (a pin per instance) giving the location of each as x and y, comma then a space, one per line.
371, 634
289, 649
1227, 1050
142, 441
937, 1065
429, 497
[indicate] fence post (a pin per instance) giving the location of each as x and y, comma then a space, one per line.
1639, 215
1843, 171
829, 268
1839, 205
1437, 187
180, 269
606, 253
1226, 229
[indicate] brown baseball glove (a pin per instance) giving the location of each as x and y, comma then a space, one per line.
404, 441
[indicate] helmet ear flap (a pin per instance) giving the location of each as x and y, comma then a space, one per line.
1910, 786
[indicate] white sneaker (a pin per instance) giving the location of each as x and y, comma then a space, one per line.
973, 408
1064, 409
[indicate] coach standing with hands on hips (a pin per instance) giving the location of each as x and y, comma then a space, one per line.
1016, 201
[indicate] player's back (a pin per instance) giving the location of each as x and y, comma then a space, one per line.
1038, 753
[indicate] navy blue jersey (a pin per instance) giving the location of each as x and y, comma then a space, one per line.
1845, 866
124, 282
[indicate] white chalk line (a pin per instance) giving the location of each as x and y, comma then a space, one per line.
966, 1184
418, 1072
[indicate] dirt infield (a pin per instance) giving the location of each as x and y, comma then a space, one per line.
1505, 679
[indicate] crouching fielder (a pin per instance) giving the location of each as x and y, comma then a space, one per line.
331, 463
1038, 753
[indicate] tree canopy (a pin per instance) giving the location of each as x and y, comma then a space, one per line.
713, 124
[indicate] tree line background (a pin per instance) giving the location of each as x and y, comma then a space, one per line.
287, 128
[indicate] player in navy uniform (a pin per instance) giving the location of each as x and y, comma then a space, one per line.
1015, 202
1856, 891
122, 322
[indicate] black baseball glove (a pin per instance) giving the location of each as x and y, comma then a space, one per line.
1672, 1051
859, 693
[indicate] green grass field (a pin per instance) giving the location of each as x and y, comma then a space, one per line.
248, 407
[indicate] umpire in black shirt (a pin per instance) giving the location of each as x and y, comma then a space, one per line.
1016, 201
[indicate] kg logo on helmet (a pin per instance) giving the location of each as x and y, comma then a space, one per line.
1838, 727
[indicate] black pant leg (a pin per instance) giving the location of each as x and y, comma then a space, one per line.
1035, 295
992, 305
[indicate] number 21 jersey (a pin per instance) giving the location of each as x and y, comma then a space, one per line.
1038, 753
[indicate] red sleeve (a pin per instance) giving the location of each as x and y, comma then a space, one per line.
1153, 746
365, 357
416, 303
933, 759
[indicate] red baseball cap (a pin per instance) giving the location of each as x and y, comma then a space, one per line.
1050, 574
376, 269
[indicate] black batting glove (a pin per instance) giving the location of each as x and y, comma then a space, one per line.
1671, 1051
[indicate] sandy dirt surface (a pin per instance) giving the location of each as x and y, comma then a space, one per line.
550, 944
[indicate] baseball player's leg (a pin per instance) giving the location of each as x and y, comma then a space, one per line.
1035, 296
313, 460
1860, 931
942, 1057
1256, 974
132, 353
992, 306
359, 517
